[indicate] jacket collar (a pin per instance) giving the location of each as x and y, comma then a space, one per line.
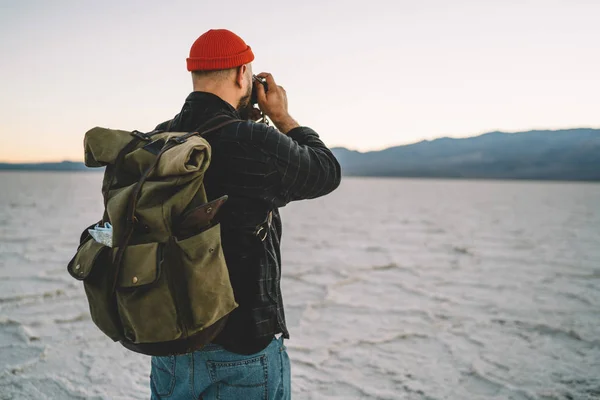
208, 103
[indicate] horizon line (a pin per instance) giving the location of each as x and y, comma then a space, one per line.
359, 151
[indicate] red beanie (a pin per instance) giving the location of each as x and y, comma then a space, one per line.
218, 49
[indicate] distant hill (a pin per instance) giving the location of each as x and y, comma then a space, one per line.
572, 154
61, 166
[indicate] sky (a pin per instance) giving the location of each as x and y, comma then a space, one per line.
365, 75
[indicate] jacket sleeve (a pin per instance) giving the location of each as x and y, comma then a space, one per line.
305, 167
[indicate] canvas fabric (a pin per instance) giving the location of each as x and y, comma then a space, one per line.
173, 281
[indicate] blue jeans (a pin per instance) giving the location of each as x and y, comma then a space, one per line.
215, 373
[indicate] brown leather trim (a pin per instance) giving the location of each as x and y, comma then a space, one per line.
198, 219
180, 346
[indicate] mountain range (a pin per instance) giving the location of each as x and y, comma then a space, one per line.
570, 154
59, 166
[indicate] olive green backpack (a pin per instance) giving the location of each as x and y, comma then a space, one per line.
163, 286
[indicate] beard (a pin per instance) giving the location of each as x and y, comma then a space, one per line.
245, 100
244, 107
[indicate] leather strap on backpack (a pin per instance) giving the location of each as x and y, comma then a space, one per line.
132, 206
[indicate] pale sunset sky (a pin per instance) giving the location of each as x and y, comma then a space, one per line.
365, 75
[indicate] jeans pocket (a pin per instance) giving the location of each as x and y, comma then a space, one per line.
162, 375
243, 379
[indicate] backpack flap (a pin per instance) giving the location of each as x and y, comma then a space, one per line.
83, 262
146, 305
141, 265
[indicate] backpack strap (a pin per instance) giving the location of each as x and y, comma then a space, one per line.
133, 199
225, 120
169, 125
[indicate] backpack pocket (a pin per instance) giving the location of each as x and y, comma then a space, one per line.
144, 297
206, 278
164, 292
92, 264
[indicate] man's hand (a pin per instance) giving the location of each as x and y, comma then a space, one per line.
274, 104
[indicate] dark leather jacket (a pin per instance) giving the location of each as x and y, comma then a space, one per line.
260, 169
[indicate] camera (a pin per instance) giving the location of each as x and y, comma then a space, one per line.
256, 80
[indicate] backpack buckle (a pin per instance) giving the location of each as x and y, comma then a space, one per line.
141, 135
262, 230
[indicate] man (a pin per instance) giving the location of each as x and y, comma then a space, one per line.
260, 168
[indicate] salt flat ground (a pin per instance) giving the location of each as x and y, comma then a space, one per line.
394, 289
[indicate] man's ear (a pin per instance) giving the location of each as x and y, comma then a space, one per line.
240, 74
